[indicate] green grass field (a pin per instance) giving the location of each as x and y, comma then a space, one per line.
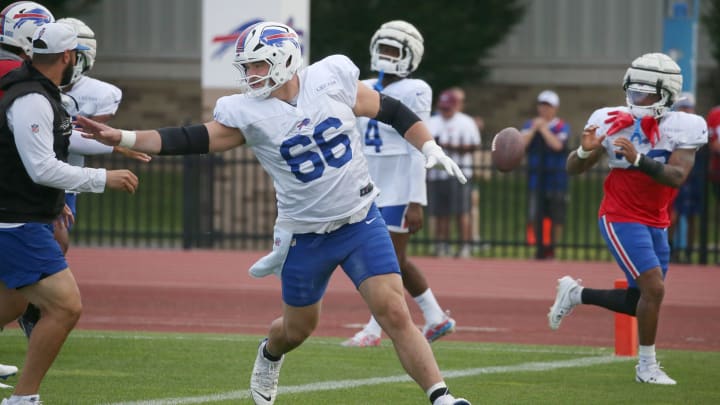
154, 368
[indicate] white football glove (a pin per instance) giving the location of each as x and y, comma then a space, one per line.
435, 156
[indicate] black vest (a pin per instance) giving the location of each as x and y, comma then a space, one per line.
21, 199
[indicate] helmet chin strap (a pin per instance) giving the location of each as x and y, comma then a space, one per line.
378, 84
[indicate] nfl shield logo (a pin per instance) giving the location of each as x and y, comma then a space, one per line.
35, 128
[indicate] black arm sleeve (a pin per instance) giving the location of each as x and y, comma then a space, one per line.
650, 166
187, 140
396, 114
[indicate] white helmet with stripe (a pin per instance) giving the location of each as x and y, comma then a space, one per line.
18, 23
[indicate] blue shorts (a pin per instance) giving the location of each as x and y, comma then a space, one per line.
71, 201
394, 216
28, 254
362, 249
637, 248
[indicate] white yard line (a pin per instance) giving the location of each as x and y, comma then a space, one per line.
345, 384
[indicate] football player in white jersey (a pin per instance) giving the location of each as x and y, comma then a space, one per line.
650, 151
88, 97
92, 98
300, 123
398, 168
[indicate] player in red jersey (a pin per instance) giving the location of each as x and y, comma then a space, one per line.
650, 151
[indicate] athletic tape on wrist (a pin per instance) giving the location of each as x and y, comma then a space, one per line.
127, 139
636, 163
582, 153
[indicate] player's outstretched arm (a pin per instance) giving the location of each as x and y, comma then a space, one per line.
194, 139
145, 141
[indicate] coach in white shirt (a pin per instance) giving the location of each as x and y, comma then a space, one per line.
34, 131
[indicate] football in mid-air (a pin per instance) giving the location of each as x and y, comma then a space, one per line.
508, 149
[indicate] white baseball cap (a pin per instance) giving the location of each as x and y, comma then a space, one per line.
56, 38
549, 97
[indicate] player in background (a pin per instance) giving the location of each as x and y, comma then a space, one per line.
300, 124
398, 168
91, 98
650, 151
19, 21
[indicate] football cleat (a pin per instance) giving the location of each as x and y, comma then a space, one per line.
7, 371
435, 331
451, 400
264, 379
362, 339
562, 305
652, 374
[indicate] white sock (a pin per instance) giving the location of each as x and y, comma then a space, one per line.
14, 399
439, 386
373, 327
647, 355
576, 296
430, 307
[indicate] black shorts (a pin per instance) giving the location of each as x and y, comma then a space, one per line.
552, 204
449, 197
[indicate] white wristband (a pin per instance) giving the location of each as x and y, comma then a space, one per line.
582, 153
636, 163
127, 138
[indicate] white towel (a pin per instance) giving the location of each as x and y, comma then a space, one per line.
272, 263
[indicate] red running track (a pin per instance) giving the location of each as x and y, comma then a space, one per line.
491, 300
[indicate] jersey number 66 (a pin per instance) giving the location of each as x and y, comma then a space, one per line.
326, 147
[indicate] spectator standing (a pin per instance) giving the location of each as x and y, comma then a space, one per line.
458, 134
546, 138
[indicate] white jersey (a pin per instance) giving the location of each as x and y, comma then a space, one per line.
417, 96
92, 97
396, 166
459, 130
312, 151
678, 130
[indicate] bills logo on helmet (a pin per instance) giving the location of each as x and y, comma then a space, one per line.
273, 37
226, 41
35, 16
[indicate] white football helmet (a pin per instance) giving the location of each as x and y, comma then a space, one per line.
86, 36
652, 83
276, 44
18, 23
403, 36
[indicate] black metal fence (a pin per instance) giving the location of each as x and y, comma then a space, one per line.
226, 201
